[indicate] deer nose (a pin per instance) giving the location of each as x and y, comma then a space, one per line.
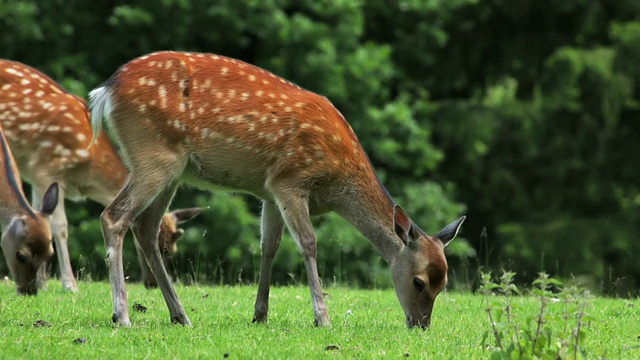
423, 322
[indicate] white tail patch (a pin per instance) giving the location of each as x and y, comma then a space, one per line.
101, 106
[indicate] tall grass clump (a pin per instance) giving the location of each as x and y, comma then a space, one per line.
555, 329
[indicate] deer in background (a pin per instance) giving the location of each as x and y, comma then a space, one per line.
216, 122
49, 131
26, 233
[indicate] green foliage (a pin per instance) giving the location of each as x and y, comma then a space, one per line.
523, 116
557, 330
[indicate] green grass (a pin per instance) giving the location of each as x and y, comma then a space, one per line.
366, 324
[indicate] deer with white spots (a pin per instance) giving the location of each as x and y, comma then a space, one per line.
26, 233
49, 132
216, 122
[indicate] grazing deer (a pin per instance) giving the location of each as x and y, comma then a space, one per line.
26, 237
215, 122
49, 132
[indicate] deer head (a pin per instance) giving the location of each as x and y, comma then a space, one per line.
419, 270
169, 231
26, 240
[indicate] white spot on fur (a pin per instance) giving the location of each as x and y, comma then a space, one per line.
29, 127
25, 82
162, 91
61, 150
82, 153
81, 137
14, 72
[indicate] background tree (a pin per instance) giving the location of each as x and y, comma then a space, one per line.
522, 115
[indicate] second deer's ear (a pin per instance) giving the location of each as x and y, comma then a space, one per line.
17, 227
176, 235
401, 224
50, 199
182, 215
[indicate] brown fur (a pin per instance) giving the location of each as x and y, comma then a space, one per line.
49, 132
217, 122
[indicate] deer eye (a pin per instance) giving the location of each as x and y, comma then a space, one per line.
21, 257
419, 284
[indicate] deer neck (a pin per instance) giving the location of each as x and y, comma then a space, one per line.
370, 210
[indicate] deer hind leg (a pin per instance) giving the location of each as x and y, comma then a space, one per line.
148, 279
146, 228
271, 233
59, 228
149, 177
295, 211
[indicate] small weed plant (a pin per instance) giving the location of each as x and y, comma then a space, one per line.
556, 330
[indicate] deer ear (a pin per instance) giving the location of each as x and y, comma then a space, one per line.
450, 231
17, 227
401, 224
50, 199
182, 215
176, 235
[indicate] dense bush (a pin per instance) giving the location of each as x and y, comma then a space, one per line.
524, 116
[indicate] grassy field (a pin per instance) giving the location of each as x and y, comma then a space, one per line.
366, 324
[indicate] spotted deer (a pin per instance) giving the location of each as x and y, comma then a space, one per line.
49, 132
215, 122
26, 237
